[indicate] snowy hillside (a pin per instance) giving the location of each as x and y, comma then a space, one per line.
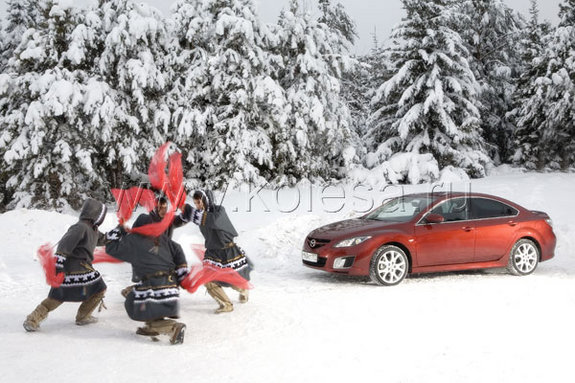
302, 325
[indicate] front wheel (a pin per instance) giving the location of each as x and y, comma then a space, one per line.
389, 266
523, 258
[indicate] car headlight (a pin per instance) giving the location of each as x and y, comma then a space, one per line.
352, 241
549, 221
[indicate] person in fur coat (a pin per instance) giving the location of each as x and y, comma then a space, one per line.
161, 265
221, 250
82, 283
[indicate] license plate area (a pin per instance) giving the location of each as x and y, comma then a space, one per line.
309, 257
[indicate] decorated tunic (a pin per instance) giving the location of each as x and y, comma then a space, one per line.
219, 234
161, 263
75, 254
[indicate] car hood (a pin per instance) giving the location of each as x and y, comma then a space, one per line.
352, 227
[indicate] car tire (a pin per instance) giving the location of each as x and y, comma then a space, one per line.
389, 266
523, 258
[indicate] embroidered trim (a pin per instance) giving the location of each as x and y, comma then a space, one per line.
100, 219
161, 294
84, 279
237, 264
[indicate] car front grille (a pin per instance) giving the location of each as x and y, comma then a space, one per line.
316, 243
320, 262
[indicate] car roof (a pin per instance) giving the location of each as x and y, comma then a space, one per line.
451, 194
437, 196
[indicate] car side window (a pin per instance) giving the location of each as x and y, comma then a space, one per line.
488, 208
455, 209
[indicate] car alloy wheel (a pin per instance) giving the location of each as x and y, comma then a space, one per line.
523, 258
388, 266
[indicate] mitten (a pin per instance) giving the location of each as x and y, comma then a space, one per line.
59, 263
197, 216
182, 272
115, 234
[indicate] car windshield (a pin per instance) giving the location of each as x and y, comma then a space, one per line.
400, 209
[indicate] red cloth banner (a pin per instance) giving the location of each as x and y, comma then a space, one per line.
175, 188
156, 229
157, 168
48, 261
100, 256
128, 199
204, 273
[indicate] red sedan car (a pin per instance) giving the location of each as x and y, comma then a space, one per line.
431, 232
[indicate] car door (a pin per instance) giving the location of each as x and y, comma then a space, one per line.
448, 242
495, 226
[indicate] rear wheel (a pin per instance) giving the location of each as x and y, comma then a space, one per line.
523, 258
389, 266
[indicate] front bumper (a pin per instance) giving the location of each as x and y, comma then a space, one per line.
334, 260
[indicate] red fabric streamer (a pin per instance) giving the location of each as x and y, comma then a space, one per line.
202, 274
48, 261
199, 250
157, 168
156, 229
100, 256
128, 199
175, 188
171, 184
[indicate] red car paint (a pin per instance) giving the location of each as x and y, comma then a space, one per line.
478, 231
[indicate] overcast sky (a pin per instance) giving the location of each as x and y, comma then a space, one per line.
370, 15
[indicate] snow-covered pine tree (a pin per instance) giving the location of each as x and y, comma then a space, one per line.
559, 131
20, 15
318, 138
187, 98
337, 19
125, 99
425, 116
359, 86
529, 114
45, 149
490, 30
354, 79
228, 105
3, 47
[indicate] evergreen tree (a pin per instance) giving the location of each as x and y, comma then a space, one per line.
428, 105
317, 137
46, 152
188, 97
337, 20
20, 15
490, 30
3, 47
559, 130
359, 86
228, 105
530, 106
125, 101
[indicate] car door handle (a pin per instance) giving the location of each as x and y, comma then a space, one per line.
512, 223
467, 228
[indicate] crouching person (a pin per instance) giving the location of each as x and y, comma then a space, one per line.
82, 283
160, 264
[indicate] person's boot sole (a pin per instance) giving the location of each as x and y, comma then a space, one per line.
145, 332
178, 337
29, 327
225, 309
86, 321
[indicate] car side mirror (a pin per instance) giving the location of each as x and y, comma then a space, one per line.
434, 218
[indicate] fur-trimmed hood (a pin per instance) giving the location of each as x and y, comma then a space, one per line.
93, 211
207, 197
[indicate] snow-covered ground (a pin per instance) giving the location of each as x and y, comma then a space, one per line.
302, 325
